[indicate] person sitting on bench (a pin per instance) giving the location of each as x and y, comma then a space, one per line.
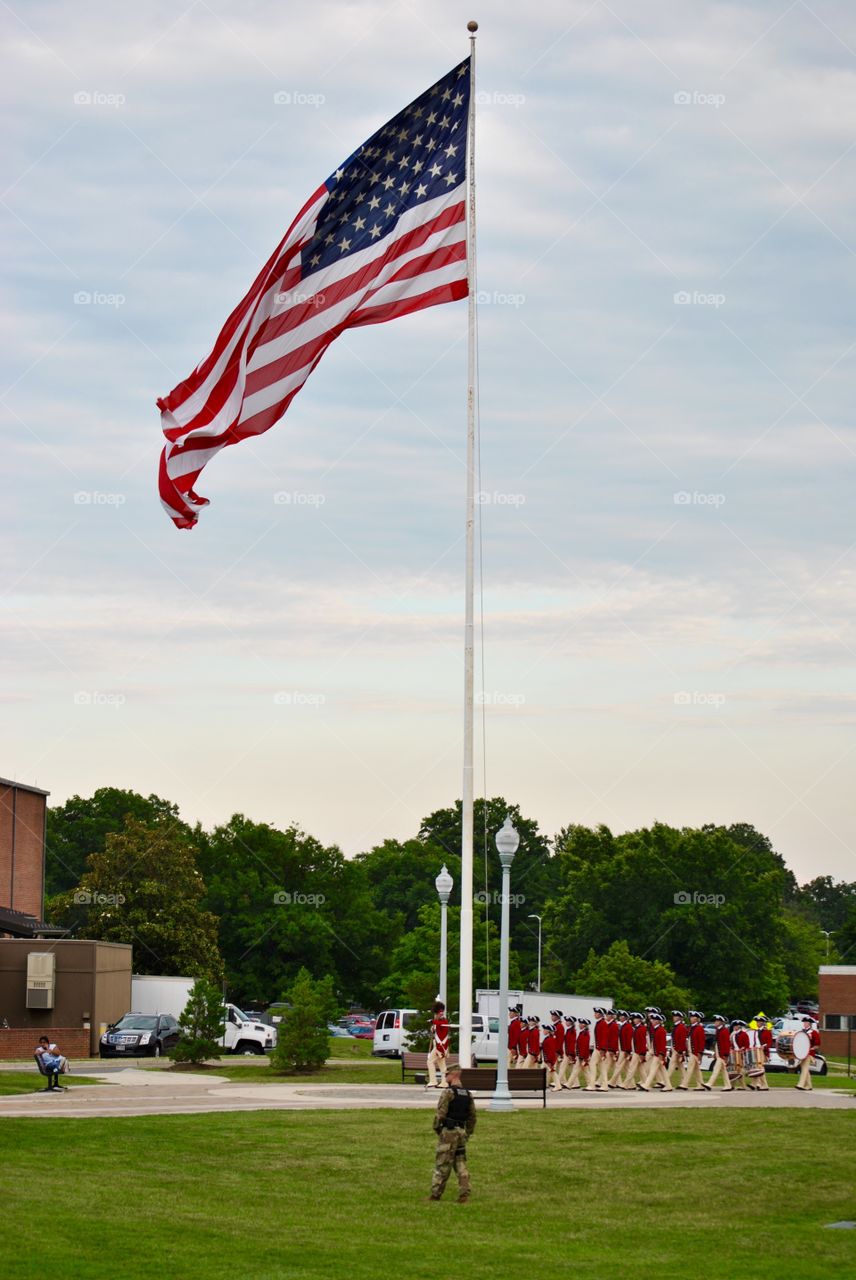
51, 1062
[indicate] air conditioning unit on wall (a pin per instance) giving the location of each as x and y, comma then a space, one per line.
41, 970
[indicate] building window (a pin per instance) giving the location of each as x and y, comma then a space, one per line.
839, 1021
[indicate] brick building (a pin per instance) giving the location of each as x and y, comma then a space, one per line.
23, 813
837, 999
89, 983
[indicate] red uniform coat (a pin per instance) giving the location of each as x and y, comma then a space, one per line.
697, 1039
625, 1037
612, 1037
658, 1040
514, 1034
570, 1042
741, 1039
814, 1037
600, 1034
559, 1033
548, 1049
584, 1045
534, 1041
765, 1035
723, 1042
640, 1040
441, 1034
680, 1037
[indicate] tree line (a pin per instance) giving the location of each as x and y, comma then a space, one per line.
708, 916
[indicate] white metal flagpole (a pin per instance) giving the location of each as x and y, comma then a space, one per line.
465, 1007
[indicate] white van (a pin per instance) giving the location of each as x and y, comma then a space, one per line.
485, 1039
390, 1033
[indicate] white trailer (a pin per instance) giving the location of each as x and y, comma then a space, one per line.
160, 995
535, 1004
170, 995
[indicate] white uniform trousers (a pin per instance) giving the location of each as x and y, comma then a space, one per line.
720, 1068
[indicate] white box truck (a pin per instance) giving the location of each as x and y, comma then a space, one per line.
170, 995
535, 1003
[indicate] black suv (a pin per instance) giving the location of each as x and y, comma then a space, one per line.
140, 1035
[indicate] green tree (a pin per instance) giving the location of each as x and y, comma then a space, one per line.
285, 902
845, 938
631, 981
201, 1024
401, 876
145, 889
413, 975
707, 904
80, 827
303, 1042
803, 952
534, 876
825, 901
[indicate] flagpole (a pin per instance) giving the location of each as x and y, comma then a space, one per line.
465, 1005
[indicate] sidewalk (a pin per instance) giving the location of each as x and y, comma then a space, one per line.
136, 1092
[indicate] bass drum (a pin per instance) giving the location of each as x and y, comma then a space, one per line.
801, 1045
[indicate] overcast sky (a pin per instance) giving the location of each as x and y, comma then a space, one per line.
666, 221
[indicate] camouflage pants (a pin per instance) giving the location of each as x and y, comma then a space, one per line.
451, 1154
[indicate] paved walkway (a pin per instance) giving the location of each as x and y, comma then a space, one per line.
134, 1092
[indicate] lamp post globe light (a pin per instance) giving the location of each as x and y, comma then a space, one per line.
443, 884
507, 841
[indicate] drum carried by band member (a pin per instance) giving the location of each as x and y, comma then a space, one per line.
804, 1047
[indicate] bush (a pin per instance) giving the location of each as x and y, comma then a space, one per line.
201, 1024
303, 1043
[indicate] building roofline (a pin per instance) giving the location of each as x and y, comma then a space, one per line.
23, 786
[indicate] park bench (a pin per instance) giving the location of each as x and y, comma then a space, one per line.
415, 1066
520, 1080
53, 1085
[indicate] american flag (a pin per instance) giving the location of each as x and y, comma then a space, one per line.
385, 235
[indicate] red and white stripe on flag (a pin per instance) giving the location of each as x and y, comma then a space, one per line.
385, 235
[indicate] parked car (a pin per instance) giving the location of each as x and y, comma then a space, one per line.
341, 1032
485, 1039
362, 1031
390, 1034
142, 1035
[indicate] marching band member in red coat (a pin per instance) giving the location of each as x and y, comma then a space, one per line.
559, 1033
439, 1047
548, 1053
514, 1012
680, 1043
810, 1026
624, 1028
598, 1050
740, 1042
659, 1049
530, 1039
569, 1041
640, 1050
571, 1037
609, 1054
765, 1040
584, 1048
722, 1051
695, 1052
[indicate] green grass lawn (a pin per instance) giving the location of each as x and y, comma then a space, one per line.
31, 1082
376, 1072
317, 1196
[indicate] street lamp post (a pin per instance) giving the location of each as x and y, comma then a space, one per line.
507, 841
443, 885
538, 918
827, 935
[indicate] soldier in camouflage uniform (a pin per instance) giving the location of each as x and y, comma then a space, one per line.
454, 1122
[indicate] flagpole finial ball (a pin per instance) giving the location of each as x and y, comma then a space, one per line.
472, 26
